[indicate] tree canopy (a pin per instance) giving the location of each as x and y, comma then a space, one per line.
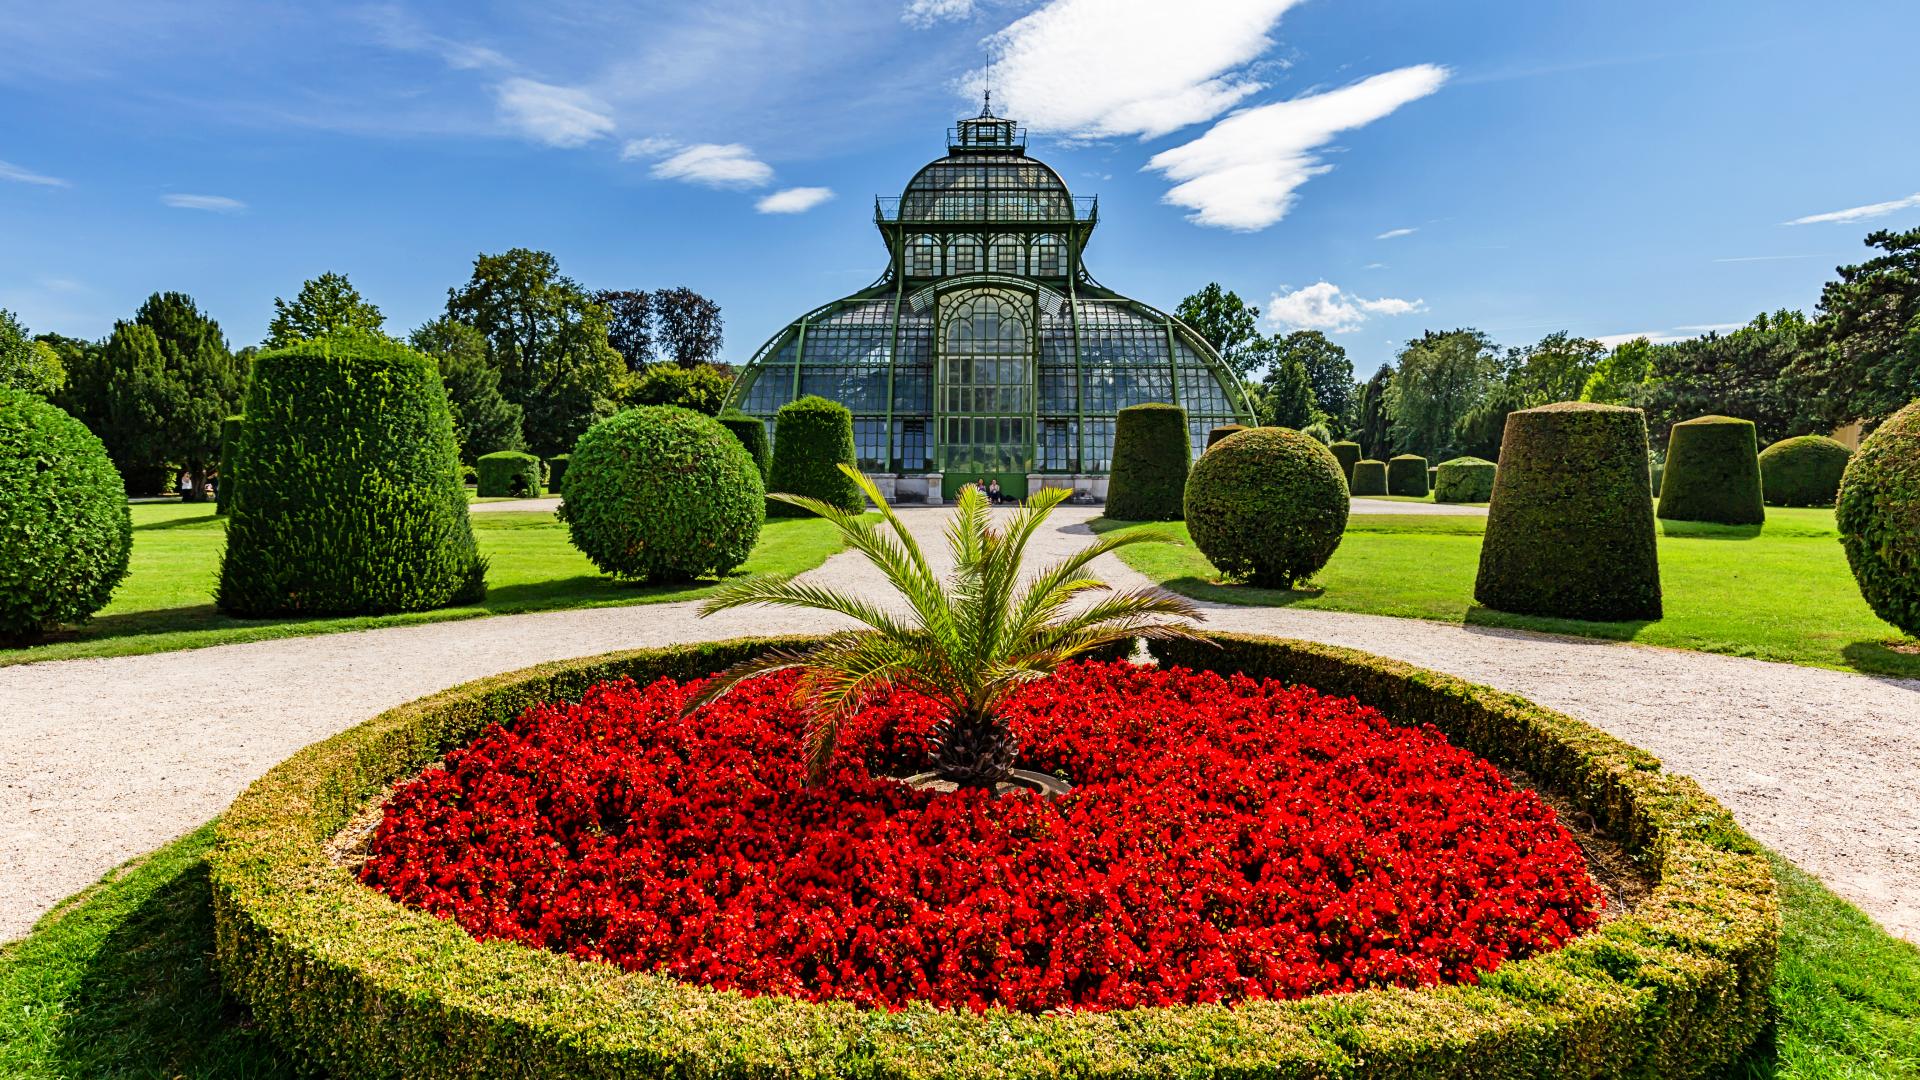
1440, 377
26, 364
1228, 323
323, 305
687, 327
484, 422
1863, 359
170, 380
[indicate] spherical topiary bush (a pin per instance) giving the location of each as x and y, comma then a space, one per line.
229, 441
661, 493
1464, 480
509, 474
1151, 456
1713, 472
1223, 431
1878, 512
345, 496
1369, 477
1570, 532
1348, 453
1803, 471
1407, 475
64, 527
812, 438
1267, 506
752, 433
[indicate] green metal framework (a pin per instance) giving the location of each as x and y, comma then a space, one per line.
986, 348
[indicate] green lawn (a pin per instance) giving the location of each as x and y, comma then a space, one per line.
119, 982
166, 602
1776, 592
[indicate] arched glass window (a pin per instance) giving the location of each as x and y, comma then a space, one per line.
923, 257
1049, 256
964, 255
1006, 256
986, 381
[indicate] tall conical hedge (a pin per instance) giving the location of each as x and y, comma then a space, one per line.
1878, 512
1803, 471
1347, 453
1570, 532
1152, 453
752, 433
1713, 472
1369, 478
1407, 475
812, 437
65, 532
1223, 431
345, 496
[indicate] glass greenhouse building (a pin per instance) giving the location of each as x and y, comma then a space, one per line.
986, 350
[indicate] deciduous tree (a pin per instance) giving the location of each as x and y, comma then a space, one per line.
323, 305
1228, 323
687, 327
1620, 377
483, 421
1439, 378
630, 324
26, 364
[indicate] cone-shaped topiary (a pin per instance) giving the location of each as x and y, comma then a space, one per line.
752, 433
1878, 512
509, 474
1407, 475
661, 493
1151, 456
812, 438
1267, 506
1369, 477
345, 496
1803, 471
1570, 532
229, 439
1464, 480
1222, 432
1348, 453
1713, 472
64, 527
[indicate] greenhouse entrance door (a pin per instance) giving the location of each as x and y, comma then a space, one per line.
986, 390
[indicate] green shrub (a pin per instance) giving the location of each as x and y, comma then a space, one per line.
1433, 476
1713, 472
557, 472
1319, 432
1369, 477
660, 493
345, 496
1151, 455
1463, 480
1803, 471
703, 389
469, 476
1407, 475
65, 532
1267, 506
1878, 512
1222, 432
1348, 453
752, 433
509, 474
356, 986
812, 438
1570, 532
229, 440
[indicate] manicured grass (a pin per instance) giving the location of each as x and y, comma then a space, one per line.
119, 982
167, 600
1780, 592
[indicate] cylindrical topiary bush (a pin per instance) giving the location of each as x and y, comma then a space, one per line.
1803, 471
1267, 506
752, 433
509, 474
1433, 476
557, 472
229, 441
1369, 477
812, 438
1407, 475
345, 496
1223, 431
1464, 480
1878, 512
1713, 472
65, 531
1151, 456
1348, 453
661, 493
1570, 532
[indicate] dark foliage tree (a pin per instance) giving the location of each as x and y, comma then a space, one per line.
1228, 323
1440, 377
1480, 431
687, 326
1372, 428
484, 422
1738, 374
1328, 371
171, 380
322, 306
1863, 360
84, 392
630, 326
1287, 394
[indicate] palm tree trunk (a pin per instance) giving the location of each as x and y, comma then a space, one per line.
974, 749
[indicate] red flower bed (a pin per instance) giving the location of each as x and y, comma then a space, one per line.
1226, 840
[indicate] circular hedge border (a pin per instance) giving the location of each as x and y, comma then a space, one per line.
355, 985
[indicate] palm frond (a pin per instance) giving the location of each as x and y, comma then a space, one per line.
787, 592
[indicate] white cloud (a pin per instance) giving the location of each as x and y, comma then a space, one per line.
1103, 68
929, 12
646, 149
797, 200
1326, 306
1391, 234
1375, 266
555, 115
18, 175
1243, 172
716, 165
220, 204
395, 28
1669, 335
1859, 213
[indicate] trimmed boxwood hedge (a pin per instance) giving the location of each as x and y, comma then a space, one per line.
752, 433
1803, 471
1223, 431
1348, 453
1407, 475
1369, 477
355, 985
1464, 480
65, 531
557, 472
1713, 472
1268, 506
1878, 513
509, 474
229, 441
812, 438
1151, 455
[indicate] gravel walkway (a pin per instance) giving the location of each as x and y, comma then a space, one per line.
104, 759
1364, 505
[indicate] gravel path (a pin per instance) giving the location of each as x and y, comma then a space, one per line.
104, 759
1364, 505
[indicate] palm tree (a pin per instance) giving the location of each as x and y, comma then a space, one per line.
966, 642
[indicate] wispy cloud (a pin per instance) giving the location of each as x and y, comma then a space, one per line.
1859, 213
1242, 174
1391, 234
929, 12
10, 171
1326, 306
796, 200
396, 28
716, 165
647, 149
219, 204
555, 115
1669, 335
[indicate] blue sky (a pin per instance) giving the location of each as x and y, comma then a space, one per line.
1368, 167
